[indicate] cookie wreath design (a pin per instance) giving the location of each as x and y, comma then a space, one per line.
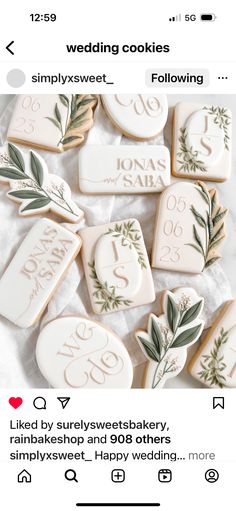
33, 186
168, 336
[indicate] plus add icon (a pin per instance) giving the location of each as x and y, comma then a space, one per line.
118, 476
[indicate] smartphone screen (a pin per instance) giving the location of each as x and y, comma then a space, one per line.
117, 256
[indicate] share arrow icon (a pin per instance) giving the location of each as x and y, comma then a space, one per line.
64, 401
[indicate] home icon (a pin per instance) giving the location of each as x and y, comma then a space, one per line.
24, 477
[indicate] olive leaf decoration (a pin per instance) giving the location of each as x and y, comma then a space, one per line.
188, 157
222, 119
129, 237
78, 119
33, 187
212, 224
168, 336
213, 365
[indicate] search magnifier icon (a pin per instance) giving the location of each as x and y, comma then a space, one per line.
70, 475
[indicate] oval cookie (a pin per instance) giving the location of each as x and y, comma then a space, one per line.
75, 352
138, 116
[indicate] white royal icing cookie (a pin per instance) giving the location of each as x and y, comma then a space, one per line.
116, 266
55, 122
75, 352
138, 116
168, 336
35, 271
202, 142
33, 186
189, 228
124, 168
214, 364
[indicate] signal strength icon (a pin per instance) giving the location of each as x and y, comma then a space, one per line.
175, 18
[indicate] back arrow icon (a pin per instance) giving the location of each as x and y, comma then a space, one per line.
8, 48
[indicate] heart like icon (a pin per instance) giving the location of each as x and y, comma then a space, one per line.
15, 402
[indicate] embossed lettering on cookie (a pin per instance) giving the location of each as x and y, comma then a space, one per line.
138, 116
74, 352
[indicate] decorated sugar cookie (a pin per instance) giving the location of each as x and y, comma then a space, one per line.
202, 142
138, 116
124, 168
116, 266
35, 271
33, 187
75, 352
168, 336
214, 364
50, 121
189, 228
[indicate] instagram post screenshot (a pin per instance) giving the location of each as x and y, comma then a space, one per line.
117, 256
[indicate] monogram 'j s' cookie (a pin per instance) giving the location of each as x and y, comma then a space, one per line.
138, 116
50, 121
189, 228
214, 364
33, 186
202, 142
168, 336
35, 271
74, 352
124, 168
116, 266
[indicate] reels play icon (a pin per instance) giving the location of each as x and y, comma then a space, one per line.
165, 475
15, 402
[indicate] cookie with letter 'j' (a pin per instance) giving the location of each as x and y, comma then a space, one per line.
214, 363
168, 336
50, 121
75, 352
138, 116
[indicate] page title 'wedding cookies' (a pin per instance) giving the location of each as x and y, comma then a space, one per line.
50, 121
189, 228
35, 271
33, 186
214, 364
74, 352
168, 336
202, 142
124, 168
138, 116
116, 266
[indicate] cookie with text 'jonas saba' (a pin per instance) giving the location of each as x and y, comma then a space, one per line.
35, 271
168, 336
55, 122
116, 266
202, 145
189, 228
75, 352
123, 169
138, 116
214, 363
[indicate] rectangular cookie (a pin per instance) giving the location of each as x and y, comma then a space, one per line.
35, 271
123, 169
214, 364
116, 266
202, 144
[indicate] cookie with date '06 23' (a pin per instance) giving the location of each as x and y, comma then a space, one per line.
33, 187
138, 116
76, 352
55, 122
189, 228
170, 334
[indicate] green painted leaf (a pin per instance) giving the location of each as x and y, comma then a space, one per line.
16, 157
85, 102
218, 234
148, 348
187, 337
64, 99
156, 335
211, 261
195, 247
199, 218
197, 238
172, 313
57, 113
192, 313
70, 139
219, 216
36, 168
37, 204
10, 173
26, 194
54, 121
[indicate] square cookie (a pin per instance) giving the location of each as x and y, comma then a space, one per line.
116, 266
201, 142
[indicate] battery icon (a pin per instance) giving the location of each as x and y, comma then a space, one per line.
207, 17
